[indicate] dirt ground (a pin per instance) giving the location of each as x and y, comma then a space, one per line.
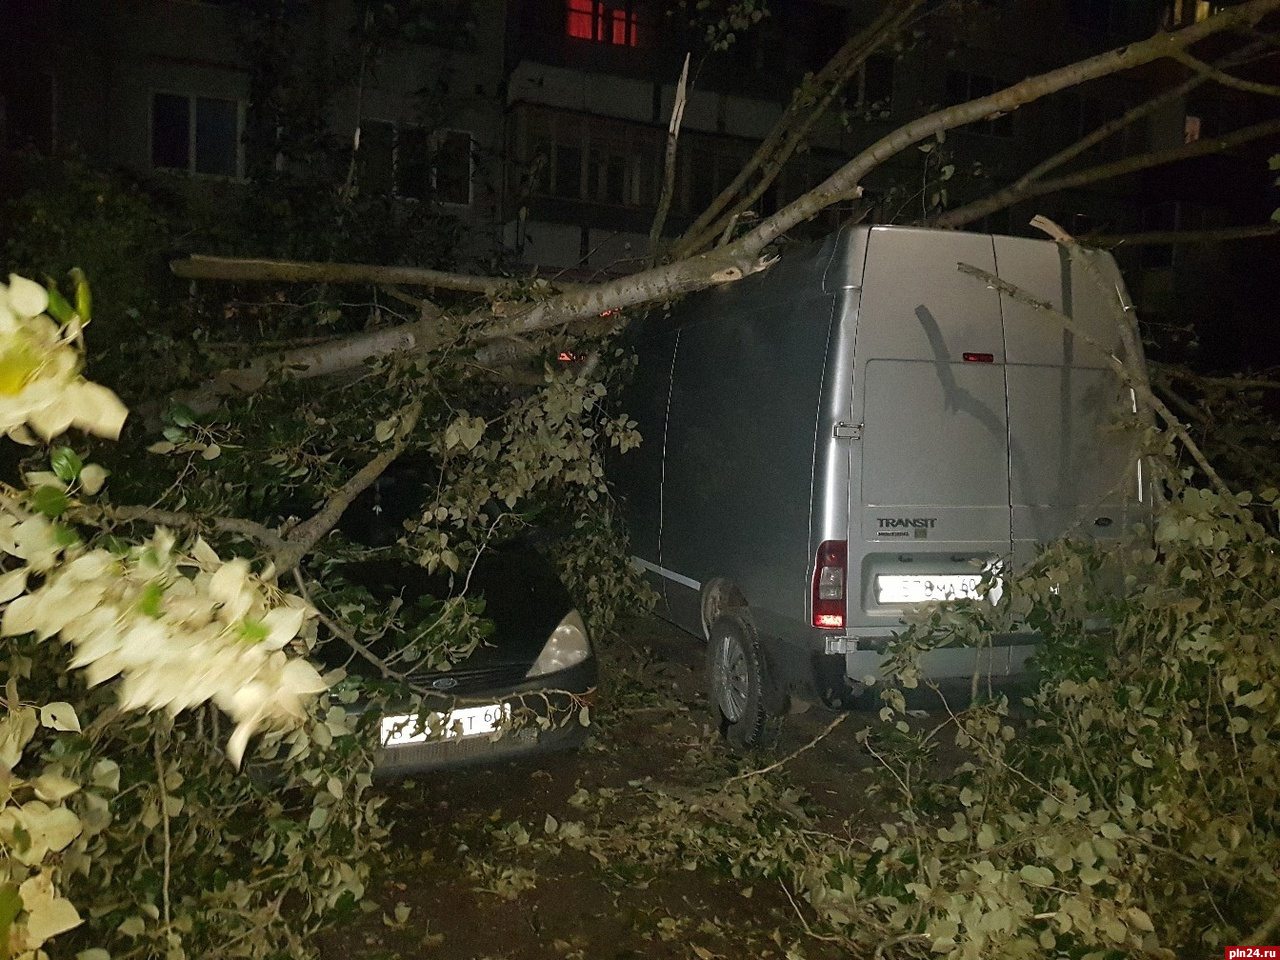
465, 883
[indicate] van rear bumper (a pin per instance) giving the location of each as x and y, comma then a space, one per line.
878, 643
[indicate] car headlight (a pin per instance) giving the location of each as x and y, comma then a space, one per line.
567, 646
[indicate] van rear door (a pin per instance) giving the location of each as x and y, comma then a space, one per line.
930, 478
1072, 467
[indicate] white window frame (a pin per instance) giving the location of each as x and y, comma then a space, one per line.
192, 99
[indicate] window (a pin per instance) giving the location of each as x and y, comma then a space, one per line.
619, 23
603, 161
963, 86
197, 134
451, 169
411, 162
1183, 13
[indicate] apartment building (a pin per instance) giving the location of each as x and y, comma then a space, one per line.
541, 124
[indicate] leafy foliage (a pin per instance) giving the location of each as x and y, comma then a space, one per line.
94, 793
107, 226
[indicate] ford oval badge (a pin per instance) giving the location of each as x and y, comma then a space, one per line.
444, 683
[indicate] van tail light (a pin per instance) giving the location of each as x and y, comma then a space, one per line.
830, 574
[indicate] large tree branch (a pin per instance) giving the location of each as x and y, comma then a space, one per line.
743, 256
264, 536
199, 267
1157, 237
1226, 79
1144, 161
793, 127
1016, 191
694, 273
844, 182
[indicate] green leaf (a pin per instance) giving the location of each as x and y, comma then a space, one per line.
10, 904
66, 464
84, 299
152, 596
50, 501
253, 631
1040, 876
182, 415
61, 311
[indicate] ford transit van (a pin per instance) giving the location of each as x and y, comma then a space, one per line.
862, 427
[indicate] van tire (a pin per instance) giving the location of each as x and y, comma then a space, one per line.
739, 685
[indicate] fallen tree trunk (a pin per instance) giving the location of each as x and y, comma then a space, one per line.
724, 264
199, 267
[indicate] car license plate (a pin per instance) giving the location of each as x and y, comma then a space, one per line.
399, 731
901, 589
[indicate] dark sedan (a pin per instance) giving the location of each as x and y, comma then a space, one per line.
524, 689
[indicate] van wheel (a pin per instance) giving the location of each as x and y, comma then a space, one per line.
739, 680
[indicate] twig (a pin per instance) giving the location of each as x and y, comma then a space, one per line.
1154, 402
1264, 930
249, 529
904, 938
808, 930
1226, 79
164, 819
426, 309
306, 534
840, 718
347, 637
728, 229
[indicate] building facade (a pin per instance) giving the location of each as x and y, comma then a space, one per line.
541, 124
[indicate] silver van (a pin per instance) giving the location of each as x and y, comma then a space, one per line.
862, 427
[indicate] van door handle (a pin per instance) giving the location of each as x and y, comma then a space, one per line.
847, 431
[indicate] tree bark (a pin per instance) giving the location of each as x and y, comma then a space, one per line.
792, 127
1107, 171
199, 267
1016, 191
669, 164
1157, 237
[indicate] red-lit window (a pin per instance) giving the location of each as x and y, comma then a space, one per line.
615, 22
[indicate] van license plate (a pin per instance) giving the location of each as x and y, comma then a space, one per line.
464, 722
894, 588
